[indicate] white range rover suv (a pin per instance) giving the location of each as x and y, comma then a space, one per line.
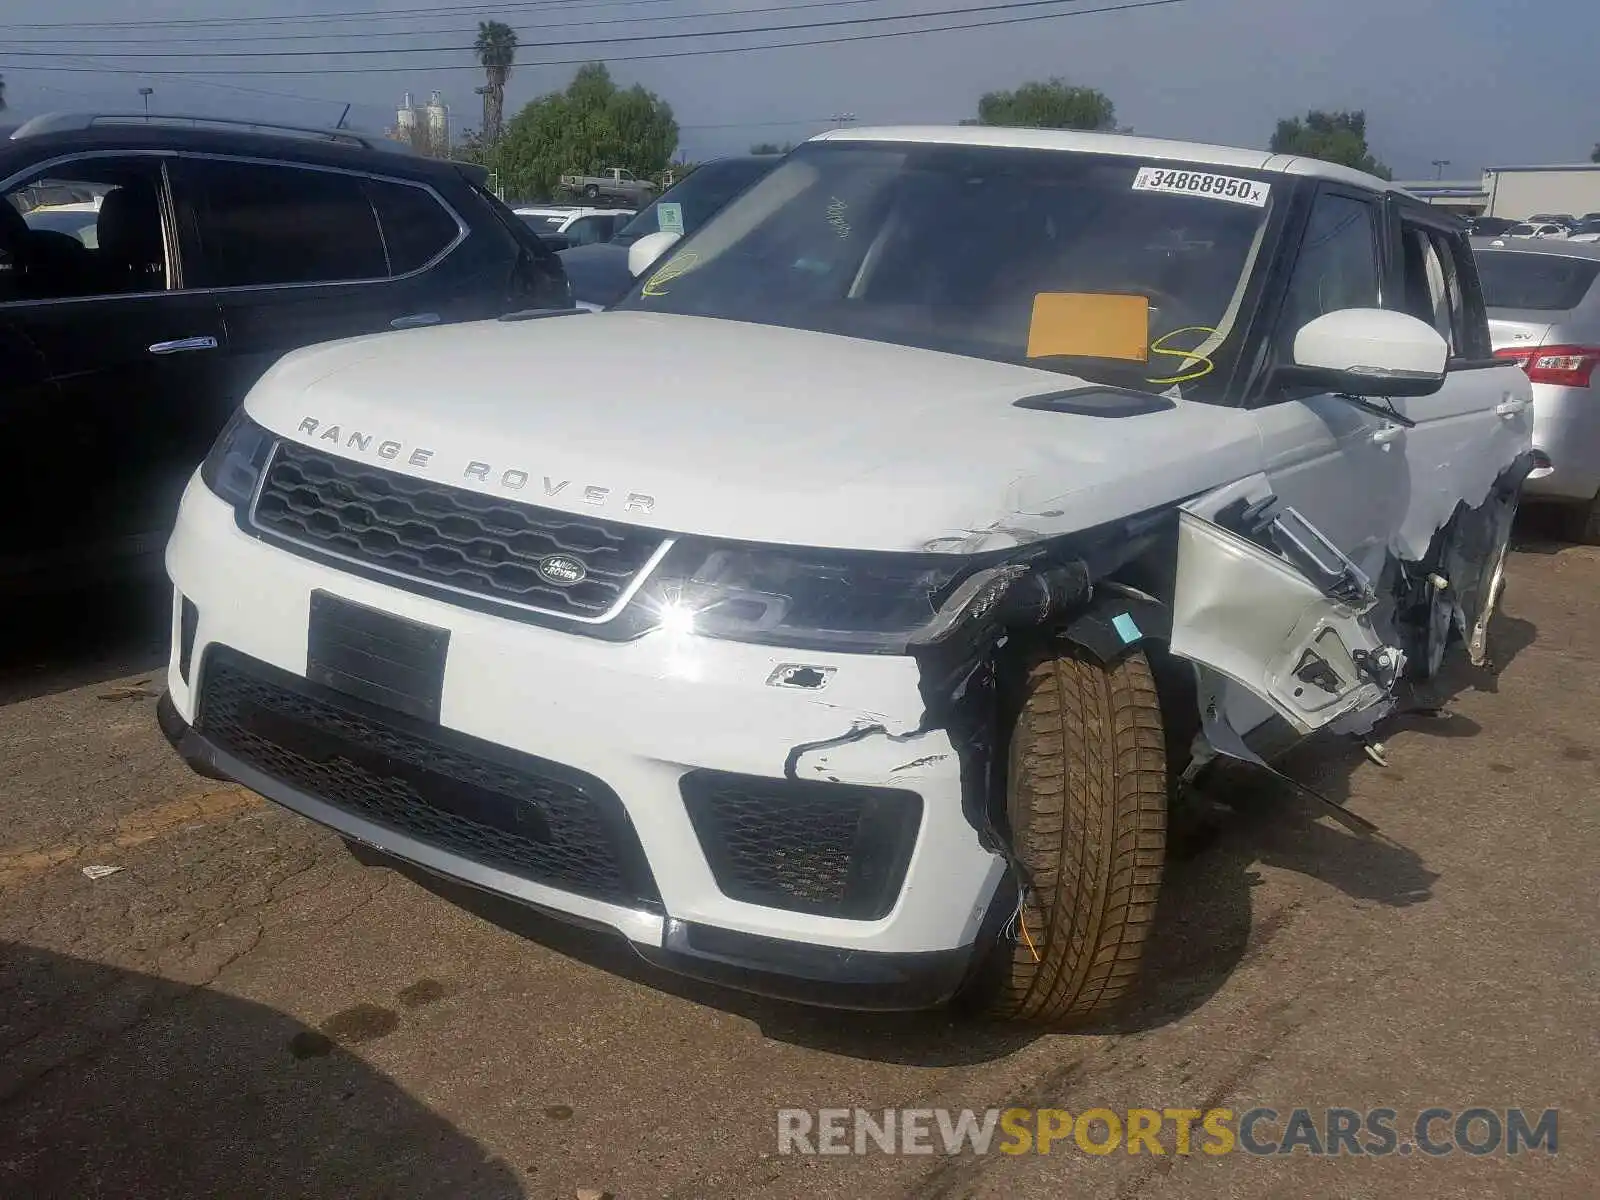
833, 615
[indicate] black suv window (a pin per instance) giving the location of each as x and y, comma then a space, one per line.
270, 224
416, 228
87, 228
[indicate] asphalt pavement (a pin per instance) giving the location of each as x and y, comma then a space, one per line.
243, 1008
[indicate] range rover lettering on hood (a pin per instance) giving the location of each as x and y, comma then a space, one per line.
509, 478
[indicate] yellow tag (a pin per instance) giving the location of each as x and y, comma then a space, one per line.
1090, 325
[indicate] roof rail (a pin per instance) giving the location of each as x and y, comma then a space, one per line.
70, 122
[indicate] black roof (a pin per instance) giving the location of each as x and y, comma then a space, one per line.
307, 148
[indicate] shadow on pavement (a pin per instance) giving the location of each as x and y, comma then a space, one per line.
114, 1083
1543, 529
66, 641
1246, 819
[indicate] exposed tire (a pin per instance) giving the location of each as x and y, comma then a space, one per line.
592, 192
1086, 801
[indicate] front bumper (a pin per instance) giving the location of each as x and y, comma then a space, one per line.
638, 717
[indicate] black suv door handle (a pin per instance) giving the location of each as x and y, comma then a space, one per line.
183, 344
414, 321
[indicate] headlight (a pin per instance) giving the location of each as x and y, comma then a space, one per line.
820, 599
235, 461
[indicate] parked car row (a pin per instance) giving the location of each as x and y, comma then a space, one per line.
1559, 226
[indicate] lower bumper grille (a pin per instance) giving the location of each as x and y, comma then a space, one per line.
535, 819
824, 848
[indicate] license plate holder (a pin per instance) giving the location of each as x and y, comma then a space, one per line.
376, 656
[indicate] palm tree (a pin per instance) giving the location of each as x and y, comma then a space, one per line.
496, 49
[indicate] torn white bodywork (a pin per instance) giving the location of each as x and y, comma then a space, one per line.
1249, 615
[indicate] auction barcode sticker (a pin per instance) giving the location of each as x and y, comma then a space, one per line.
1200, 183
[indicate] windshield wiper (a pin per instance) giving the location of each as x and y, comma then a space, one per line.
537, 314
1386, 410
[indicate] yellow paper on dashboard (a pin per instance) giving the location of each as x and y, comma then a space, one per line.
1090, 325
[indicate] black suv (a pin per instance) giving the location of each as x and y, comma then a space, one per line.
151, 271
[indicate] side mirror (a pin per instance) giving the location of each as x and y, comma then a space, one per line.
647, 249
1369, 352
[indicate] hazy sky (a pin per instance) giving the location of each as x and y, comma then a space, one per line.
1478, 82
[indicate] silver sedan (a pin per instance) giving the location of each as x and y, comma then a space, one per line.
1544, 311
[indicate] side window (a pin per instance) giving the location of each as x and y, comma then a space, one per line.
88, 228
263, 224
1337, 267
1429, 289
416, 228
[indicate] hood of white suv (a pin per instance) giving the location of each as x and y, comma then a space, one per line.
747, 432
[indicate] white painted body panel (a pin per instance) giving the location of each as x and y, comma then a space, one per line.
637, 716
749, 432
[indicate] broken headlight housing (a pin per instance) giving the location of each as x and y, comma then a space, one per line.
234, 464
858, 601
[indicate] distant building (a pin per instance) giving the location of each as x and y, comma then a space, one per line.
1517, 192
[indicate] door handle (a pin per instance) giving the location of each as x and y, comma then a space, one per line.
414, 321
1511, 407
1389, 433
183, 344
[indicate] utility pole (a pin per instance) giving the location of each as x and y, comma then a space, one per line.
146, 92
1439, 164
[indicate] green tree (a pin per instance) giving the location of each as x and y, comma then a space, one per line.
592, 125
1336, 137
496, 48
1055, 104
771, 148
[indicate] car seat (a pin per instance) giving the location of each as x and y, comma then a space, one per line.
131, 253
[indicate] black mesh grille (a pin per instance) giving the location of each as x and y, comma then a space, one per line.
824, 848
535, 819
448, 536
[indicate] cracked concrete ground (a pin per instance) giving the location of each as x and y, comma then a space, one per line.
245, 1009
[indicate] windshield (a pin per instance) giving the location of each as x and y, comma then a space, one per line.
702, 192
1124, 271
84, 226
1522, 229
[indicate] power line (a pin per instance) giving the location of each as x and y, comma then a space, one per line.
365, 51
185, 79
210, 39
367, 15
669, 54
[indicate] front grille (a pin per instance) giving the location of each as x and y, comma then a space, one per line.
825, 848
535, 819
446, 536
